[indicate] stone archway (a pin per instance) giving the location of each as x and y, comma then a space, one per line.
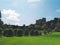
20, 33
34, 33
8, 33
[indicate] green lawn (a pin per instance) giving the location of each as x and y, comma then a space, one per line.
51, 39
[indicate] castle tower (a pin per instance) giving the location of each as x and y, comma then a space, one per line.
1, 22
0, 14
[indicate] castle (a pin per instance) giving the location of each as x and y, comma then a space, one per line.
41, 27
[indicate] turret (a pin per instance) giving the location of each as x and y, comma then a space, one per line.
0, 14
1, 22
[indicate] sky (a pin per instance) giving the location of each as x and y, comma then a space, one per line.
19, 12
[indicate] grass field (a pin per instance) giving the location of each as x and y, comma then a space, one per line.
51, 39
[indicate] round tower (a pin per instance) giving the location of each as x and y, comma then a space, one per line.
0, 14
1, 22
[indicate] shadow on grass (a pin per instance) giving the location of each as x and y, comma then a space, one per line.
55, 36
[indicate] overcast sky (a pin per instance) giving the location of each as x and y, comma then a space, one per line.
19, 12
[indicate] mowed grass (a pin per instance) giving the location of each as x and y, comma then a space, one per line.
51, 39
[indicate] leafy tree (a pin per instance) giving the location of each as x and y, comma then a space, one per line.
0, 32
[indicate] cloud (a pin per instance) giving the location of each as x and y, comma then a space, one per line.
7, 0
11, 16
58, 10
33, 6
15, 4
32, 1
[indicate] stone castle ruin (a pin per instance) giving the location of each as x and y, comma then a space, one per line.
41, 27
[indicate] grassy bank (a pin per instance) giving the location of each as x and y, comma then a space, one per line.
51, 39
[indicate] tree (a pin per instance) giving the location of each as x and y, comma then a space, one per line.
1, 32
1, 22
